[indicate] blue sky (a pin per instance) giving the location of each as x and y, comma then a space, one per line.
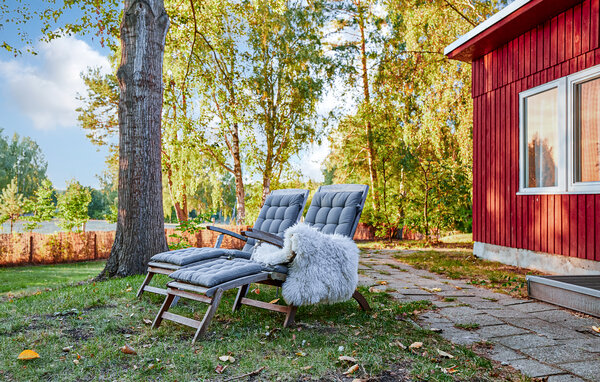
38, 100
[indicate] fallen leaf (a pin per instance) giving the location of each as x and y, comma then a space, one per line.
374, 290
450, 370
436, 330
306, 368
220, 369
351, 370
147, 321
76, 361
415, 345
273, 301
596, 329
436, 290
27, 355
301, 354
128, 349
67, 349
256, 290
345, 358
399, 344
381, 282
151, 366
227, 358
129, 289
444, 354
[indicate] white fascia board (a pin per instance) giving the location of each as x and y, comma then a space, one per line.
504, 12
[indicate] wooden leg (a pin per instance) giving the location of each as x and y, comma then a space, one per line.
242, 291
362, 301
165, 306
289, 317
210, 313
146, 282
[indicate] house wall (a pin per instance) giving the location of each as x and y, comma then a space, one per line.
567, 224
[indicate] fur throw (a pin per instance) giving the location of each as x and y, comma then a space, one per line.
324, 268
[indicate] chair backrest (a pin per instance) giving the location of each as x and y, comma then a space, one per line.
337, 208
281, 210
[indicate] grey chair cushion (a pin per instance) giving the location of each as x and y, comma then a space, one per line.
185, 256
279, 212
217, 272
334, 212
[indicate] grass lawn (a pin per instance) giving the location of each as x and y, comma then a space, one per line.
454, 259
40, 277
78, 331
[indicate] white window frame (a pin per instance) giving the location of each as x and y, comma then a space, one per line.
561, 155
573, 80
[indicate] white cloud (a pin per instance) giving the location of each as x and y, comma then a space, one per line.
46, 90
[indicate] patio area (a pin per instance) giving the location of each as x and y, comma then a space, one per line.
539, 339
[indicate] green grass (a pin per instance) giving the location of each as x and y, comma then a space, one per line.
40, 277
96, 319
460, 264
467, 326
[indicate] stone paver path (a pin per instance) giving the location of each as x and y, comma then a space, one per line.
539, 339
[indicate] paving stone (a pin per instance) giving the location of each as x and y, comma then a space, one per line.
460, 337
559, 332
531, 307
560, 354
557, 315
507, 312
484, 320
459, 311
590, 345
534, 368
500, 331
564, 378
509, 301
585, 369
524, 341
415, 292
525, 322
503, 354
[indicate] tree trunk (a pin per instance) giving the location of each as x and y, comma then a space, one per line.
240, 193
371, 154
140, 225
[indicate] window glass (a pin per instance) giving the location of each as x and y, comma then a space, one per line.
541, 124
587, 132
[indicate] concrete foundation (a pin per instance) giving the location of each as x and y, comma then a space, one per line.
543, 262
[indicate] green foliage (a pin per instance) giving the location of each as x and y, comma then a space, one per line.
41, 206
21, 158
189, 227
73, 207
11, 204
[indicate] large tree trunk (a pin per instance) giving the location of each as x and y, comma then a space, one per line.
140, 225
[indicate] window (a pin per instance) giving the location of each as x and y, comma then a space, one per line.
542, 139
560, 135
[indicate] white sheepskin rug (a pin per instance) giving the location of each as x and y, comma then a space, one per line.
323, 268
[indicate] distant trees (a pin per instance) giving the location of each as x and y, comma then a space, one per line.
21, 159
41, 206
73, 207
11, 204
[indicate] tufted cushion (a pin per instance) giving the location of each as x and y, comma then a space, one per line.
334, 212
185, 256
216, 272
279, 212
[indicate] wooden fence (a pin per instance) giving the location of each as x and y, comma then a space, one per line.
63, 247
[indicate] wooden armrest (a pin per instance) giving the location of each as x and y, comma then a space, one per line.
264, 236
227, 232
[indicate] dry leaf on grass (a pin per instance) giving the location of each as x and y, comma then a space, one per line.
67, 349
306, 368
399, 344
220, 369
26, 355
76, 361
301, 354
227, 358
415, 345
126, 349
273, 301
596, 329
129, 289
450, 370
345, 358
351, 370
374, 290
147, 321
444, 354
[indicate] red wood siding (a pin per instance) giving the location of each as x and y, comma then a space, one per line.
562, 224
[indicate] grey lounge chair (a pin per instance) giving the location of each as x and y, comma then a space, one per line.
334, 209
282, 209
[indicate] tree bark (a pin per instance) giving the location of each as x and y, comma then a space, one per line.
140, 225
371, 153
240, 193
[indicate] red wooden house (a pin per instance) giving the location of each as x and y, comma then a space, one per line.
536, 136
